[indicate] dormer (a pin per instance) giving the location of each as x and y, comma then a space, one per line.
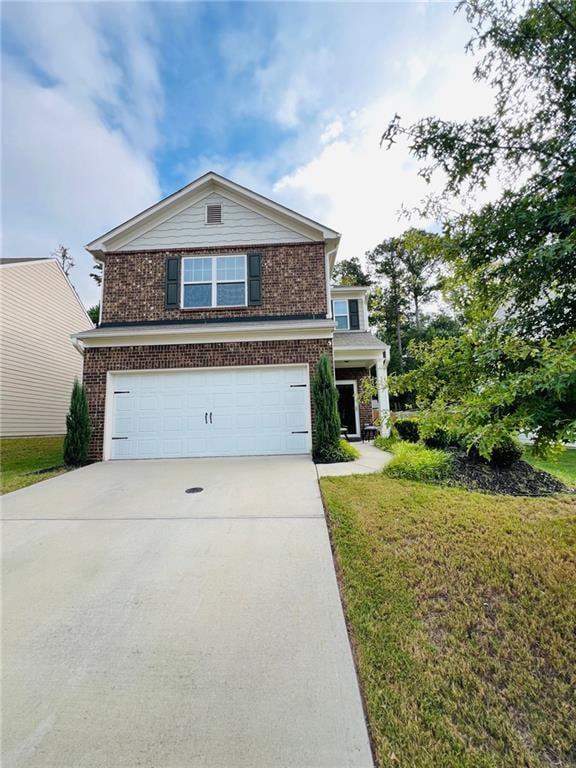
350, 307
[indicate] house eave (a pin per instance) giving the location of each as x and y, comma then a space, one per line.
120, 236
359, 290
205, 334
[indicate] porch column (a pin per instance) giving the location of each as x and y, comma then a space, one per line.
383, 398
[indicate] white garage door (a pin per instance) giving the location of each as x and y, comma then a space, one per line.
229, 412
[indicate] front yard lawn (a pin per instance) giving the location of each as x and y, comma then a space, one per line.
462, 610
563, 467
20, 457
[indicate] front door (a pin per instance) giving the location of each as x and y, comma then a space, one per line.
347, 407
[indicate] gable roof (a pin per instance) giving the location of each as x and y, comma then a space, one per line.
192, 193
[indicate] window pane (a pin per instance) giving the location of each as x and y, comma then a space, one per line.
198, 295
342, 322
229, 294
197, 270
340, 307
230, 268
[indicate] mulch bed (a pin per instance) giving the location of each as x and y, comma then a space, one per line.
521, 479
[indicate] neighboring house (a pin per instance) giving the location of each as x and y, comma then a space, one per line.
39, 309
216, 307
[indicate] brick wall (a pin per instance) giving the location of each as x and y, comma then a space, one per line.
365, 409
293, 282
98, 361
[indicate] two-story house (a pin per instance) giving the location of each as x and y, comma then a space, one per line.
216, 307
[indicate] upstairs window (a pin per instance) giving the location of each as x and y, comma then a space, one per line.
341, 315
214, 213
213, 281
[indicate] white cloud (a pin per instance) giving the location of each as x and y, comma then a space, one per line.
358, 188
76, 133
332, 131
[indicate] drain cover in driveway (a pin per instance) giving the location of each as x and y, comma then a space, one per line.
194, 490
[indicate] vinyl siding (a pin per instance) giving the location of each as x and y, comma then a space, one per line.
240, 226
38, 364
361, 311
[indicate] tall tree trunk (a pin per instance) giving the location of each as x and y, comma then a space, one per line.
416, 312
399, 340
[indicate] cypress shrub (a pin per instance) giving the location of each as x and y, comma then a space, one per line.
78, 428
327, 433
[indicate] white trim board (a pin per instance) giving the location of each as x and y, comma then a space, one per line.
205, 334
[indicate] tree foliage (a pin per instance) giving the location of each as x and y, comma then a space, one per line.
513, 260
78, 428
94, 313
350, 272
408, 269
96, 275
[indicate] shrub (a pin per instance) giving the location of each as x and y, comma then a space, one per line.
349, 450
412, 461
505, 453
385, 443
327, 423
407, 430
441, 437
77, 428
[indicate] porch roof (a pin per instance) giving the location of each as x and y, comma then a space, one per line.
357, 340
356, 350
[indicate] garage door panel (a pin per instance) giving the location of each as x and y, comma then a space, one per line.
254, 411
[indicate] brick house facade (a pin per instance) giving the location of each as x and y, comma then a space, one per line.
98, 362
160, 333
293, 283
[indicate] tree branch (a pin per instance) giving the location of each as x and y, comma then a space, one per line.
561, 16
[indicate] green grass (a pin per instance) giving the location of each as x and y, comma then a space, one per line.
21, 456
462, 610
413, 461
563, 467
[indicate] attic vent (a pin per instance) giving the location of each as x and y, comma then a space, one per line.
214, 213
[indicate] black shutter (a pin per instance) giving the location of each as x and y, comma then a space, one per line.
254, 279
354, 314
172, 283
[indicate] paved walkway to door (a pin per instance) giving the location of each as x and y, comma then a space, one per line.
146, 626
371, 460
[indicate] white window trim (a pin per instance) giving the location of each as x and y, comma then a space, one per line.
336, 316
214, 282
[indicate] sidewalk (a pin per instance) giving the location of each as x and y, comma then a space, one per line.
371, 460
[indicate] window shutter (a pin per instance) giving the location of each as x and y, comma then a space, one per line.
254, 279
354, 314
172, 283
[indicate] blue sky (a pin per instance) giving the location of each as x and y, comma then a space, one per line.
109, 106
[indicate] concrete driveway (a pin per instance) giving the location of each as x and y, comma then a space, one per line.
147, 627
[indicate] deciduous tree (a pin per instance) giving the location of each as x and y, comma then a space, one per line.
513, 259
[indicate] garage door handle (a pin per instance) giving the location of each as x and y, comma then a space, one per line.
205, 417
210, 417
